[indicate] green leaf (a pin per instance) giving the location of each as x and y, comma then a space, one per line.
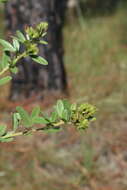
16, 120
5, 61
60, 107
2, 129
20, 36
35, 112
44, 34
26, 119
5, 80
43, 42
53, 130
40, 60
16, 44
40, 120
65, 115
14, 70
67, 105
53, 117
7, 46
6, 140
74, 107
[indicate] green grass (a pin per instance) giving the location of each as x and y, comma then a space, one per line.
96, 62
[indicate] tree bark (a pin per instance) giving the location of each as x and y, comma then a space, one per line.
33, 78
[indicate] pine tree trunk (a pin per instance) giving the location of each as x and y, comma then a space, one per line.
33, 78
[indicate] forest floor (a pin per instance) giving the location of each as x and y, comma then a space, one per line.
96, 63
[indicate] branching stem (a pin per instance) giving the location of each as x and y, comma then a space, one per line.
4, 70
11, 135
24, 54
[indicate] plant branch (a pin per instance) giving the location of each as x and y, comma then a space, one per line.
24, 54
11, 135
4, 70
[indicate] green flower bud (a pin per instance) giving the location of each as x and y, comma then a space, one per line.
82, 115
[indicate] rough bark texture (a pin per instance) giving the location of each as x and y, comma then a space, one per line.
32, 77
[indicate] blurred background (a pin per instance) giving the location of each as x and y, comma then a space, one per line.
87, 55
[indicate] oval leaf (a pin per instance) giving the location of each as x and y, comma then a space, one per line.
2, 129
5, 80
35, 112
7, 46
40, 60
60, 107
16, 120
40, 120
24, 116
16, 44
20, 36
